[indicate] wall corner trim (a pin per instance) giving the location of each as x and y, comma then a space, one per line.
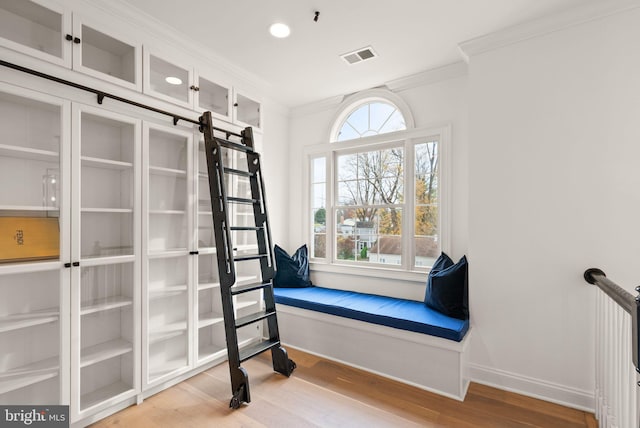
565, 19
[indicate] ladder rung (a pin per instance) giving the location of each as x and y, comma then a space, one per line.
238, 172
256, 228
241, 322
234, 146
257, 348
239, 289
249, 257
241, 200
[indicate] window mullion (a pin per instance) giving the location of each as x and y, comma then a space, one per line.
408, 249
332, 194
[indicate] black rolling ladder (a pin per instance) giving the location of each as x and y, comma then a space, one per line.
220, 200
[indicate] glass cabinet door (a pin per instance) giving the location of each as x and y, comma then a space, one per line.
247, 111
106, 54
31, 27
211, 341
214, 96
105, 290
166, 243
167, 81
34, 212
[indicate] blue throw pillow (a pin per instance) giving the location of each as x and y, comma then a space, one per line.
447, 287
292, 271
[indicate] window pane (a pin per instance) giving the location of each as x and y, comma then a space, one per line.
395, 123
318, 199
347, 133
380, 114
359, 119
426, 173
371, 178
427, 250
318, 207
371, 118
347, 167
319, 247
369, 235
319, 170
426, 245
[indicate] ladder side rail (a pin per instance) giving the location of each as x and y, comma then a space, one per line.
224, 250
219, 204
265, 244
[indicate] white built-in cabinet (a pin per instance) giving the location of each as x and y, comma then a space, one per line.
34, 296
133, 299
69, 330
53, 33
99, 48
105, 241
130, 303
167, 240
197, 88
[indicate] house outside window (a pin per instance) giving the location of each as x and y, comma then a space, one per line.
378, 189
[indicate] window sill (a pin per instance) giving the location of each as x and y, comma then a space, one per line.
374, 272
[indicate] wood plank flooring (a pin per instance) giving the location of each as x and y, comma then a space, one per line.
323, 393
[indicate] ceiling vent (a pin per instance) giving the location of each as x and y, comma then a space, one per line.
359, 55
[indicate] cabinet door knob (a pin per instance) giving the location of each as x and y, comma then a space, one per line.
235, 104
194, 88
76, 264
67, 265
76, 40
68, 37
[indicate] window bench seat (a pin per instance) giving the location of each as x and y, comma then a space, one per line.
396, 338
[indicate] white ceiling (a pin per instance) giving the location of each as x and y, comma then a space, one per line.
409, 36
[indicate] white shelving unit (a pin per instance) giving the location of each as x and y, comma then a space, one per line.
167, 309
105, 299
34, 357
132, 301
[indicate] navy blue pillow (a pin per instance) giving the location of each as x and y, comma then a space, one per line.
447, 287
292, 271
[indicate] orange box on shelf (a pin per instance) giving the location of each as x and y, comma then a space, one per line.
29, 238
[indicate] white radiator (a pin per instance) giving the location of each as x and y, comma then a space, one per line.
616, 395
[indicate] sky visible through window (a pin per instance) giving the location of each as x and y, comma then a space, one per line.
372, 118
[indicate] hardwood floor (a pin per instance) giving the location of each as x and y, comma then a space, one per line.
322, 393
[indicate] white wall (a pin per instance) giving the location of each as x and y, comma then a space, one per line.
275, 165
554, 149
434, 103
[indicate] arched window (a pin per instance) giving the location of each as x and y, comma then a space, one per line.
376, 191
371, 118
370, 113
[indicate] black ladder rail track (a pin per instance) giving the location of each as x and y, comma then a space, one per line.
227, 260
101, 95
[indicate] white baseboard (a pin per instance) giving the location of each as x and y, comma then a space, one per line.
536, 388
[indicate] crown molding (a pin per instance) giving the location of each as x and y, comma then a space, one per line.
427, 77
559, 21
317, 106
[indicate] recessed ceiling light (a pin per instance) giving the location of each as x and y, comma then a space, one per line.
173, 80
280, 30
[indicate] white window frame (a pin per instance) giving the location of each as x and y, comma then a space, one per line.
352, 103
409, 138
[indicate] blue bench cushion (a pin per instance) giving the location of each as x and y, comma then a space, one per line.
397, 313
